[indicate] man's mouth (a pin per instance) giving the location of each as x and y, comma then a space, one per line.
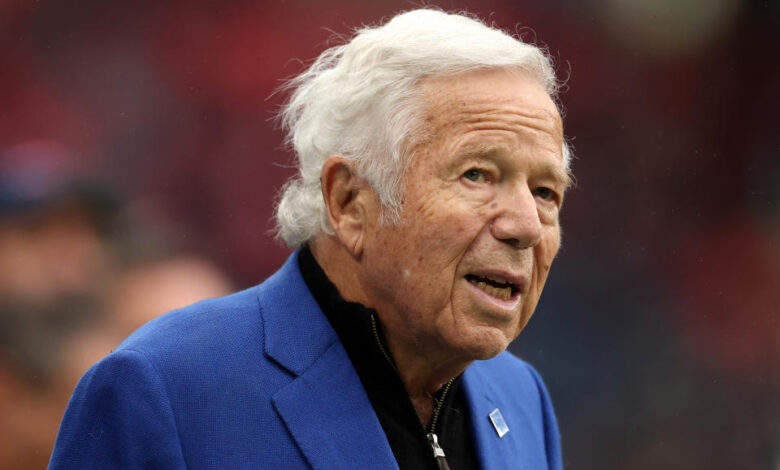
493, 286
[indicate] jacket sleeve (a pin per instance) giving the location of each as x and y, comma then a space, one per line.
552, 439
119, 417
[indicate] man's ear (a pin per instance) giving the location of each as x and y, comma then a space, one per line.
345, 195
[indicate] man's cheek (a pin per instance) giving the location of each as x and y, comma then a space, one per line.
547, 248
440, 234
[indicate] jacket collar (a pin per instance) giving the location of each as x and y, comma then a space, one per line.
296, 331
324, 407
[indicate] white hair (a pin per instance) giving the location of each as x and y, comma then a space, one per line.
357, 100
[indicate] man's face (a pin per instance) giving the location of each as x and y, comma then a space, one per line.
463, 270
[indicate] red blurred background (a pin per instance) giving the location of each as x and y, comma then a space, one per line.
140, 161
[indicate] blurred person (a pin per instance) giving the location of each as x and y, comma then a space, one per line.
56, 222
56, 254
432, 169
71, 289
46, 346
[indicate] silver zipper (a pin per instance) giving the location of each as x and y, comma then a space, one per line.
379, 342
439, 404
433, 439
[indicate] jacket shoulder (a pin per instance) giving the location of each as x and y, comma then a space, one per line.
205, 326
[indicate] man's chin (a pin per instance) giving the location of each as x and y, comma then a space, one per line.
483, 343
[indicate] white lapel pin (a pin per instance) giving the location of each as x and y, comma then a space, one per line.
498, 423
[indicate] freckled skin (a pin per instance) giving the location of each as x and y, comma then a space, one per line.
505, 126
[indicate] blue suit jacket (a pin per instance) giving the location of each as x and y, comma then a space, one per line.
260, 380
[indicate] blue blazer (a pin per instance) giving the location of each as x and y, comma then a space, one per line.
259, 380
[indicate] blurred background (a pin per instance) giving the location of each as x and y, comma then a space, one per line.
139, 164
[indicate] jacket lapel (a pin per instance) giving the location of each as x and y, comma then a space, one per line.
329, 415
325, 407
488, 386
494, 452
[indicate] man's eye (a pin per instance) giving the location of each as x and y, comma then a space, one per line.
545, 193
477, 176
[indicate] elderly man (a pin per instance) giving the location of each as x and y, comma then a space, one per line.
425, 213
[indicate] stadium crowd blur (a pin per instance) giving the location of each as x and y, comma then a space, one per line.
139, 161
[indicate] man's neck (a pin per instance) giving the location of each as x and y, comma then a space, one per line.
422, 378
423, 372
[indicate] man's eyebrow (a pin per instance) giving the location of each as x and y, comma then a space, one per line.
558, 173
481, 149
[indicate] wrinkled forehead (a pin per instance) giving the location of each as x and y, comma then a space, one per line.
448, 101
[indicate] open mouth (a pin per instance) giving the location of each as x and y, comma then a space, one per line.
493, 286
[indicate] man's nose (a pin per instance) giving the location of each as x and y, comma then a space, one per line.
517, 222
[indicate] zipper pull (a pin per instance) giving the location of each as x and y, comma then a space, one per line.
438, 452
